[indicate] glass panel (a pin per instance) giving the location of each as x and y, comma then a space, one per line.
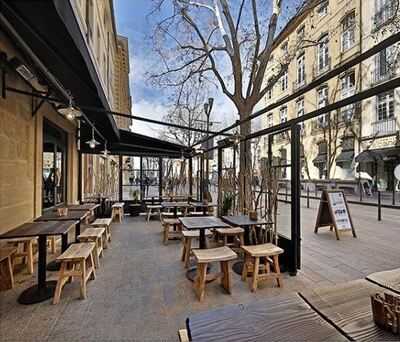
131, 179
48, 179
151, 177
59, 179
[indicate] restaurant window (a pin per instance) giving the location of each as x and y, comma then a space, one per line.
54, 165
131, 181
385, 106
348, 31
151, 177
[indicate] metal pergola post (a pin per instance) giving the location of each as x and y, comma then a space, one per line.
160, 177
219, 171
190, 175
120, 177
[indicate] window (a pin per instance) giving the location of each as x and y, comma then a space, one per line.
284, 81
384, 11
301, 70
348, 85
283, 114
131, 182
301, 33
323, 53
385, 106
348, 31
323, 9
270, 119
300, 107
322, 101
89, 19
385, 64
270, 91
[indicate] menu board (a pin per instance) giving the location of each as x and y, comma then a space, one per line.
334, 212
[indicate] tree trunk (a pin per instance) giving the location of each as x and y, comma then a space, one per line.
245, 170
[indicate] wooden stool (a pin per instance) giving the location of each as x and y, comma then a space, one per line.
252, 261
76, 261
6, 268
169, 234
95, 235
187, 237
117, 209
236, 232
24, 250
203, 258
104, 223
153, 209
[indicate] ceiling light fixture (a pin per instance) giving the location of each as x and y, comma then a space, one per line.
92, 142
70, 112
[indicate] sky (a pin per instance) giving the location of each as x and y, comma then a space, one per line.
148, 101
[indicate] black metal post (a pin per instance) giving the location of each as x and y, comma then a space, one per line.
295, 199
219, 171
190, 175
160, 177
202, 187
379, 207
308, 197
394, 192
142, 191
80, 177
120, 178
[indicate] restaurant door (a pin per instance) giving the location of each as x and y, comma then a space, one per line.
54, 162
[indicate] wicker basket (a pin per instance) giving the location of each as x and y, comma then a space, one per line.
386, 311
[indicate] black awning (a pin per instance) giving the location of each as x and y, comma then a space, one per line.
345, 156
50, 29
321, 158
382, 154
134, 144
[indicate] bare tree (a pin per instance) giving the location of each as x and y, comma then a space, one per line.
228, 44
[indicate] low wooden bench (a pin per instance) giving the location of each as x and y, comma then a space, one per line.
6, 268
104, 223
117, 210
96, 235
205, 256
187, 237
253, 254
76, 261
24, 250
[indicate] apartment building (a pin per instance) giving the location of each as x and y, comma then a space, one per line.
313, 43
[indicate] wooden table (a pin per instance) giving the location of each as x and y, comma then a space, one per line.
245, 222
286, 318
175, 206
44, 289
91, 207
203, 206
348, 307
78, 215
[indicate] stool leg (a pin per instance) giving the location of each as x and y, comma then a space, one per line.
255, 274
29, 251
100, 245
244, 271
148, 215
201, 280
11, 272
109, 233
187, 251
277, 270
166, 233
93, 273
57, 292
83, 279
183, 249
226, 279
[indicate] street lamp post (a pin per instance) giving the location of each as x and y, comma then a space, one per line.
207, 109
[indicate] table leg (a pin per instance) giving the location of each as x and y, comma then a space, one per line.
77, 231
44, 289
55, 265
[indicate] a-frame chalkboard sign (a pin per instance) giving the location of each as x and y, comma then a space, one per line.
334, 212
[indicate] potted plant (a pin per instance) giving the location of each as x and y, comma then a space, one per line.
227, 203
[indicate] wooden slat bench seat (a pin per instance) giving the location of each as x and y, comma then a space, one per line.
104, 223
6, 268
96, 235
76, 261
286, 318
223, 255
387, 279
348, 307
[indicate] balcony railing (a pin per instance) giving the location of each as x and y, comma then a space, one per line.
384, 127
379, 76
385, 13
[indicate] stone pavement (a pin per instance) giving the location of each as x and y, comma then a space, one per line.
141, 292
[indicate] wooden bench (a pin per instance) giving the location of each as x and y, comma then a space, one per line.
24, 250
96, 235
169, 234
153, 209
117, 210
187, 237
6, 268
253, 254
104, 223
76, 261
205, 256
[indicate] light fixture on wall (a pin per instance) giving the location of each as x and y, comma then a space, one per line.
92, 142
70, 112
106, 152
